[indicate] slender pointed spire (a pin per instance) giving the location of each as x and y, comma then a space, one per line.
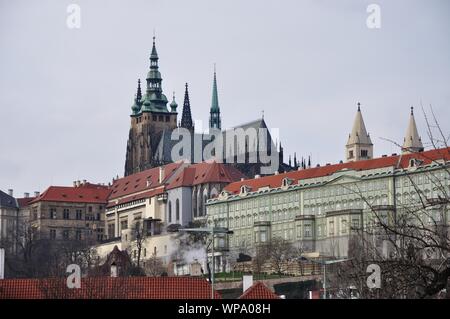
309, 161
154, 53
186, 118
359, 145
214, 118
139, 93
290, 162
412, 141
136, 107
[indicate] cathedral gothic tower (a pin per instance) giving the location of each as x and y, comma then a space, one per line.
359, 145
149, 119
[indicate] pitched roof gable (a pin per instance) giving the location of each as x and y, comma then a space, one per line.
258, 291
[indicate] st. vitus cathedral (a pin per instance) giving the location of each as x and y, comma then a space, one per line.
152, 123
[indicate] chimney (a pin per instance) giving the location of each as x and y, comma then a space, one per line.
276, 172
78, 183
36, 194
84, 182
26, 195
247, 282
257, 176
242, 179
2, 263
161, 174
11, 192
113, 270
74, 183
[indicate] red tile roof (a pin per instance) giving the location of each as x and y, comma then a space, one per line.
148, 194
138, 182
258, 291
206, 172
25, 201
86, 193
402, 161
108, 288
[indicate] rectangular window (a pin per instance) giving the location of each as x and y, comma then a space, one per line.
344, 226
52, 213
90, 209
331, 228
79, 214
307, 230
355, 224
66, 213
53, 234
124, 224
78, 235
263, 235
111, 231
65, 234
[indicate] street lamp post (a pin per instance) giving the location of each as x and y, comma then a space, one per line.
324, 264
212, 231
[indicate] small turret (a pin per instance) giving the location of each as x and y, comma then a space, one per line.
173, 105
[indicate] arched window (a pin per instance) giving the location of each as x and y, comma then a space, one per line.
205, 198
170, 212
177, 209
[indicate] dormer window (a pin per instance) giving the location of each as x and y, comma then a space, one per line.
286, 182
244, 189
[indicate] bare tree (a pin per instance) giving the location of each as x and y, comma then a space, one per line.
409, 241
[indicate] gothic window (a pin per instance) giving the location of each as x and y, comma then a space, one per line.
177, 209
170, 212
350, 154
364, 153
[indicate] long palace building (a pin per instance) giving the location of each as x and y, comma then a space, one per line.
319, 207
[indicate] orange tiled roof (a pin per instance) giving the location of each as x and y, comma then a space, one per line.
108, 288
258, 291
87, 193
402, 161
138, 182
206, 172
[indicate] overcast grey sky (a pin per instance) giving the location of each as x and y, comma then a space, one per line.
65, 94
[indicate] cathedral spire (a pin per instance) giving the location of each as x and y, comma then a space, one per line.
412, 141
214, 118
186, 118
359, 145
154, 99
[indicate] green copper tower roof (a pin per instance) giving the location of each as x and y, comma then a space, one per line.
173, 105
214, 118
154, 99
